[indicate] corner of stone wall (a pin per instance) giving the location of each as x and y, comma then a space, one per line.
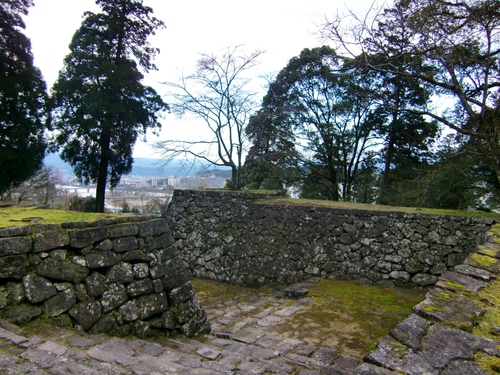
118, 276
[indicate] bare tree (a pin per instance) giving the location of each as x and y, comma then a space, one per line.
217, 94
40, 189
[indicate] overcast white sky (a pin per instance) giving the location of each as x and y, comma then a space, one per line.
281, 27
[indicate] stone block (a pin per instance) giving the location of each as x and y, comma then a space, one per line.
96, 284
123, 230
121, 245
140, 287
37, 288
115, 296
121, 273
86, 313
14, 246
135, 256
86, 237
140, 270
160, 242
100, 259
62, 270
13, 266
22, 314
181, 294
153, 228
129, 311
60, 303
50, 240
150, 305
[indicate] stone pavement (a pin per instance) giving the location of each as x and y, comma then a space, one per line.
242, 342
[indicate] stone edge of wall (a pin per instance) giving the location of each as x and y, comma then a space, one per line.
438, 337
118, 276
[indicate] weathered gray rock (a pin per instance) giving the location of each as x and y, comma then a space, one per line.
96, 284
411, 331
86, 313
457, 281
445, 306
423, 279
129, 311
13, 266
122, 230
121, 245
100, 259
37, 288
60, 303
140, 287
86, 237
21, 314
50, 240
181, 294
62, 270
121, 273
115, 296
15, 245
153, 228
151, 304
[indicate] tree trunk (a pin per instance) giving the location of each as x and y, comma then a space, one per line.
103, 170
382, 198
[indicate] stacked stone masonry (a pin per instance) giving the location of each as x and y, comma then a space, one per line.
118, 276
228, 237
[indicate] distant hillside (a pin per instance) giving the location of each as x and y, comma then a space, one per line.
143, 167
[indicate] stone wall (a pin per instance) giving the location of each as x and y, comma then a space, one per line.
227, 237
119, 276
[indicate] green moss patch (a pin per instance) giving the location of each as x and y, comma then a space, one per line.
19, 216
342, 315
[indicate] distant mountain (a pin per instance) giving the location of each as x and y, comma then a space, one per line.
143, 167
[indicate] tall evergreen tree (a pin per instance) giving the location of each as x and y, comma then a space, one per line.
22, 99
100, 105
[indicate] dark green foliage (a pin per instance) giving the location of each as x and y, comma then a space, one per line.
100, 105
318, 122
462, 177
22, 100
82, 204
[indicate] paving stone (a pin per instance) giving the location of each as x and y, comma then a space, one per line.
12, 337
268, 321
264, 354
41, 358
306, 350
288, 311
53, 348
80, 341
288, 345
474, 272
248, 336
411, 331
73, 368
209, 353
445, 306
264, 313
269, 341
302, 360
457, 281
326, 356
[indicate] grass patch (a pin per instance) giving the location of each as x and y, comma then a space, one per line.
375, 207
19, 216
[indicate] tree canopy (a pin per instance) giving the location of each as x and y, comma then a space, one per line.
22, 100
100, 105
451, 47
